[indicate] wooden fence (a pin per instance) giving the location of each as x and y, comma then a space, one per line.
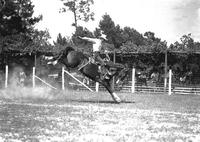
132, 86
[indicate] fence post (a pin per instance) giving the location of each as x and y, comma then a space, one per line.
170, 82
133, 81
63, 78
165, 84
33, 77
97, 86
6, 77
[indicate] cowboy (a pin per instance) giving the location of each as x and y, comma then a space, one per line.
97, 47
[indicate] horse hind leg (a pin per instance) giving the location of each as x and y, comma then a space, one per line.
121, 77
115, 97
112, 93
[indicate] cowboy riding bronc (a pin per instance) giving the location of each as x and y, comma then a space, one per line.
97, 47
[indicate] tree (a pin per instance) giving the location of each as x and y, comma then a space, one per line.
17, 27
82, 45
80, 9
60, 40
39, 41
133, 36
16, 17
186, 44
153, 43
150, 37
187, 41
61, 43
112, 31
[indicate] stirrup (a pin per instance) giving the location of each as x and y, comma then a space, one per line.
106, 77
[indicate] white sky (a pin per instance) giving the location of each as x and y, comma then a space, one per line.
168, 19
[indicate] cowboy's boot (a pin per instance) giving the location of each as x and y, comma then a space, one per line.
107, 74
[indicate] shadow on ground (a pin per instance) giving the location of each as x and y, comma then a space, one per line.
102, 101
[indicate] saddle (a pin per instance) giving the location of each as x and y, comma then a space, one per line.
86, 62
102, 69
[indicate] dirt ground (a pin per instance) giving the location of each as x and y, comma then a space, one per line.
37, 116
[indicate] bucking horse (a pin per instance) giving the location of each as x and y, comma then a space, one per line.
73, 59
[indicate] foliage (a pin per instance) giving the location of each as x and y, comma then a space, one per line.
130, 40
61, 43
133, 36
17, 27
82, 45
16, 17
60, 40
112, 31
39, 41
186, 44
184, 56
80, 9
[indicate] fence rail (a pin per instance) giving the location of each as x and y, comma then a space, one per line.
149, 89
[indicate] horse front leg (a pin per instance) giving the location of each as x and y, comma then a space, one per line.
115, 97
111, 91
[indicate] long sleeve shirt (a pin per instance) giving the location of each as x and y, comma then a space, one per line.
97, 43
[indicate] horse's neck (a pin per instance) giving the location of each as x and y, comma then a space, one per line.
66, 51
84, 56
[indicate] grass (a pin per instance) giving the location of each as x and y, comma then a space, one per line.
46, 115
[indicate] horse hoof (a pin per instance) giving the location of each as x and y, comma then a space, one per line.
116, 98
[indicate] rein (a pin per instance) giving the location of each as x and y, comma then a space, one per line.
85, 64
82, 66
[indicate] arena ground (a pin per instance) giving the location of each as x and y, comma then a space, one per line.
45, 115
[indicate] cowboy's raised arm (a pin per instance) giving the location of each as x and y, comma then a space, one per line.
89, 39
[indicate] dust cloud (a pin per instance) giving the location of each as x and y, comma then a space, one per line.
18, 88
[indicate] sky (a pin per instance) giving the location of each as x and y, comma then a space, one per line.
168, 19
